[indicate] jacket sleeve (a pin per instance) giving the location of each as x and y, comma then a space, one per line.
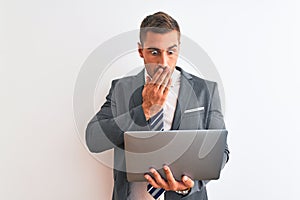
215, 117
106, 129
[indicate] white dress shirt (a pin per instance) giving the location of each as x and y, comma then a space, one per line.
170, 105
138, 190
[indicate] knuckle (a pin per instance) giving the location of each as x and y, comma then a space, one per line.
154, 184
172, 185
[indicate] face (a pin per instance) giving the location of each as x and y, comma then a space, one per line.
160, 50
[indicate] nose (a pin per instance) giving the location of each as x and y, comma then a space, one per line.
163, 62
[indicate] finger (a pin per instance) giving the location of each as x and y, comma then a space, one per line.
165, 86
189, 183
169, 83
151, 181
158, 179
166, 89
164, 77
157, 75
167, 78
170, 178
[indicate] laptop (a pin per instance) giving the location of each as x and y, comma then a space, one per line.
195, 153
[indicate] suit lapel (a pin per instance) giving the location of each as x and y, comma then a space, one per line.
137, 87
185, 91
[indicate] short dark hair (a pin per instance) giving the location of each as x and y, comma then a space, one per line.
159, 22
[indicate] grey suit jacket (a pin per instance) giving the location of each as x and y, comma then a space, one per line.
123, 111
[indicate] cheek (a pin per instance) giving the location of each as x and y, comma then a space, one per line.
152, 63
151, 69
149, 59
172, 61
151, 66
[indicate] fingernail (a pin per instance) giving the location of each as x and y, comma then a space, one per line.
184, 178
152, 170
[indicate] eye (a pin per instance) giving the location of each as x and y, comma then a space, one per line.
171, 52
154, 52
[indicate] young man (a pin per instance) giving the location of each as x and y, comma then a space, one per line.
155, 98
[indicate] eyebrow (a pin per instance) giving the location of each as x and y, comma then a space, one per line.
157, 49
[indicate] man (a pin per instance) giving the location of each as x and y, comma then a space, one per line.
161, 89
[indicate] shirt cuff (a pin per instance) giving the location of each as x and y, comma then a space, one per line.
198, 186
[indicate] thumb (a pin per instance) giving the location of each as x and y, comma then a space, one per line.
187, 182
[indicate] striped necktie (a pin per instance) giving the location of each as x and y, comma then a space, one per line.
156, 124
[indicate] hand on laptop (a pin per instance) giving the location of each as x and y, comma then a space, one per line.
170, 184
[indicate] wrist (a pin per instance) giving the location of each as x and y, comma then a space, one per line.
146, 111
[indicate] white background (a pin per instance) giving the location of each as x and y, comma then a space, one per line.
43, 44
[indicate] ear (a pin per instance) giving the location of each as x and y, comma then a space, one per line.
140, 49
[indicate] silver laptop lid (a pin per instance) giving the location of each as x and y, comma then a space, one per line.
195, 153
